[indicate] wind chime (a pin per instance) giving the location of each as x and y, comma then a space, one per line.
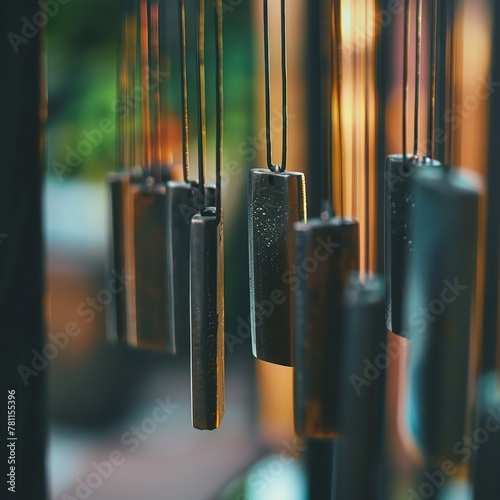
276, 200
442, 279
328, 324
175, 303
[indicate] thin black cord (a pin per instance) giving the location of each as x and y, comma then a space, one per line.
433, 81
406, 50
354, 128
326, 85
451, 76
367, 142
184, 93
200, 87
219, 101
284, 86
418, 56
144, 58
155, 56
337, 35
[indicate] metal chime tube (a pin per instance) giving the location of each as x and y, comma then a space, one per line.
150, 207
121, 236
184, 200
400, 198
486, 480
440, 298
360, 444
326, 253
207, 260
277, 199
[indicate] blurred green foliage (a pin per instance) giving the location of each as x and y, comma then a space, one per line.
82, 54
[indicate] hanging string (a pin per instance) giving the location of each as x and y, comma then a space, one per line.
326, 117
418, 36
200, 92
144, 65
451, 75
406, 53
367, 140
431, 145
155, 61
123, 160
184, 93
338, 79
284, 86
219, 105
354, 126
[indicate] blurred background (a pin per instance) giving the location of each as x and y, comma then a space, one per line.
99, 391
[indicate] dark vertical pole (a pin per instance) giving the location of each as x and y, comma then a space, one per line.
492, 295
319, 454
314, 110
382, 67
21, 247
485, 466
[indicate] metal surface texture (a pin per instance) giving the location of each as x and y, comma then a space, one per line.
400, 203
276, 202
326, 254
150, 247
439, 310
183, 202
207, 320
121, 234
360, 444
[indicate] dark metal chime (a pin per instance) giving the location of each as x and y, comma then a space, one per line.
168, 235
359, 449
138, 195
329, 248
207, 257
277, 199
431, 253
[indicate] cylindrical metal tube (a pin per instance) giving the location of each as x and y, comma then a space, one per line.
326, 253
120, 246
439, 309
360, 444
150, 249
276, 202
207, 319
184, 200
400, 202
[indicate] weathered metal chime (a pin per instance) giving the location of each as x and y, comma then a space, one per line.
207, 257
168, 235
440, 295
184, 200
138, 199
359, 450
400, 196
276, 200
327, 251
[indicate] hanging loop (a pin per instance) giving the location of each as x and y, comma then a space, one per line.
275, 167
